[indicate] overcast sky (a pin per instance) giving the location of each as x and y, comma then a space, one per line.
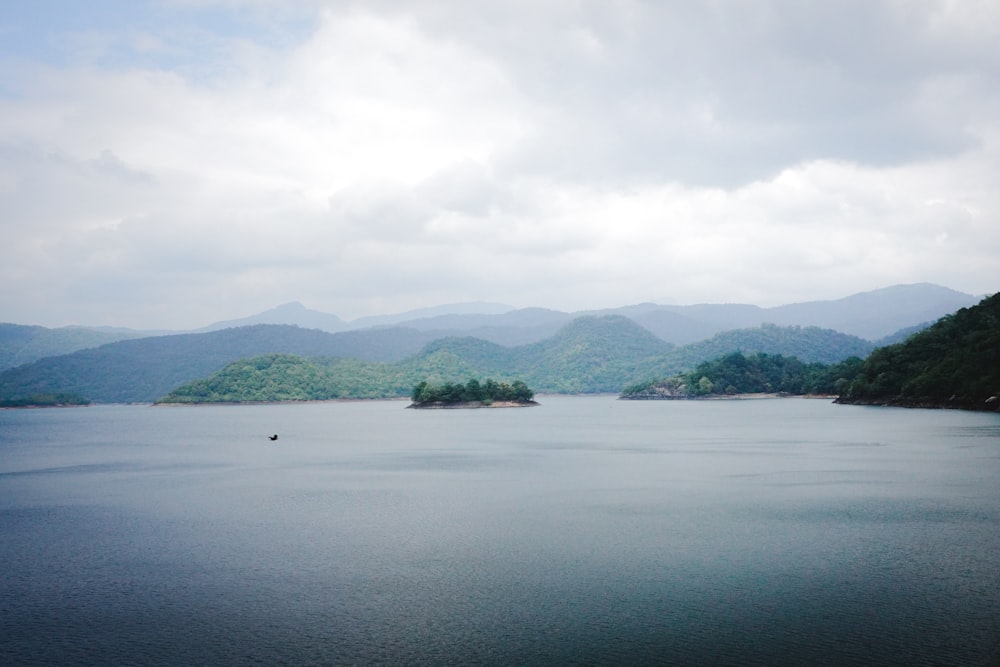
170, 163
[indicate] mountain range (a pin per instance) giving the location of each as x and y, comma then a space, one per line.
555, 352
871, 315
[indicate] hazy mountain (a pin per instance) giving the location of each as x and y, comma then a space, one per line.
871, 315
878, 313
807, 344
293, 313
897, 310
143, 369
20, 344
471, 309
134, 371
588, 354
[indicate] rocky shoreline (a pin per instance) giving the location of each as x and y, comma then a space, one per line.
989, 404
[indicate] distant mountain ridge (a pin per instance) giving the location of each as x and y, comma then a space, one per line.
22, 344
589, 354
142, 369
873, 316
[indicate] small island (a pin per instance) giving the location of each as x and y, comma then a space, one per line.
472, 394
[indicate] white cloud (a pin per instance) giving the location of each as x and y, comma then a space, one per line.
388, 156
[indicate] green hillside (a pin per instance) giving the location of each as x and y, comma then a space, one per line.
591, 354
283, 377
953, 363
141, 370
21, 344
809, 344
756, 373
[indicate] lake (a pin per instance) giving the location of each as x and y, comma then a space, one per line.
584, 531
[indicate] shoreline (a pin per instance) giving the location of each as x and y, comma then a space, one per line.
989, 404
471, 405
729, 397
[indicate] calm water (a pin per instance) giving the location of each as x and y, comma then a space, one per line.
584, 531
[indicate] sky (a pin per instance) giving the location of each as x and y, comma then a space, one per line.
172, 163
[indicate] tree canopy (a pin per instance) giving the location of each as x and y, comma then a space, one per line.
736, 373
473, 391
953, 363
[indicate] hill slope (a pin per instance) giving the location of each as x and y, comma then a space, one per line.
20, 344
735, 373
140, 370
955, 363
591, 354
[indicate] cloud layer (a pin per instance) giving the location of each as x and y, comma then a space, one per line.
172, 164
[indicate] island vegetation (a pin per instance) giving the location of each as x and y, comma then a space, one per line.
955, 363
735, 374
472, 394
58, 400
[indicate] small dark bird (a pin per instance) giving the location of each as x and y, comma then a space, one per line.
273, 437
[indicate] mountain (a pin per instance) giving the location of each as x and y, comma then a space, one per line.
471, 309
141, 370
870, 315
590, 354
550, 350
873, 315
955, 363
514, 327
808, 344
293, 313
21, 344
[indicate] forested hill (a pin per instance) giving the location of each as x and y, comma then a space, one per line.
20, 344
953, 364
598, 354
141, 370
590, 354
735, 373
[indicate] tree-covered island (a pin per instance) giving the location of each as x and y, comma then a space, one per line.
472, 394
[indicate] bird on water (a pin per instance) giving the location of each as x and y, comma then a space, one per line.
273, 437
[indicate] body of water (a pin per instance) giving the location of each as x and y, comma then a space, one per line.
583, 531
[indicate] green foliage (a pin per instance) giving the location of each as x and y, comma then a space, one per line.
44, 400
954, 362
20, 344
809, 344
757, 373
490, 391
141, 370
